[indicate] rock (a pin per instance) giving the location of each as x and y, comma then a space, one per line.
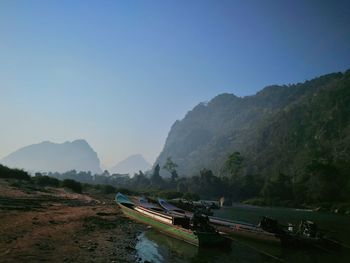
91, 248
128, 247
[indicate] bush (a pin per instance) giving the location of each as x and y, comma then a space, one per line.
191, 196
6, 172
255, 201
170, 194
108, 189
72, 184
44, 180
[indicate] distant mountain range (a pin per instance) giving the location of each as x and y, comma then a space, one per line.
131, 165
54, 157
281, 129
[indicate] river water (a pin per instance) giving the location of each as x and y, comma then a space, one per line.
156, 247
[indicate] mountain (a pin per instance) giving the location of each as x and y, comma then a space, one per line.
132, 164
281, 129
54, 157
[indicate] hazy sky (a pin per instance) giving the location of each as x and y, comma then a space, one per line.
119, 73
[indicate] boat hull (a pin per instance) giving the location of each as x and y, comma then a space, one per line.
231, 228
171, 230
238, 232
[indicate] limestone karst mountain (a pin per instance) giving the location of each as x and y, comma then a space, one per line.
131, 165
281, 129
55, 157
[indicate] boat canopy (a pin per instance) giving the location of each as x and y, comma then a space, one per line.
169, 207
122, 199
144, 203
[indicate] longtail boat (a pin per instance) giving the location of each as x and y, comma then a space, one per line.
190, 230
305, 235
231, 228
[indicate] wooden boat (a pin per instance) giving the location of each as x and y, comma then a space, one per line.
179, 227
192, 206
231, 228
304, 235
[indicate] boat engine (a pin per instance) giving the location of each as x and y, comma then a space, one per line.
200, 222
270, 225
308, 228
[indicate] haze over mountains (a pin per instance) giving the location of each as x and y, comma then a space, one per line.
55, 157
281, 129
131, 165
76, 155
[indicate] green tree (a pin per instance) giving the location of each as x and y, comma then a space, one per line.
170, 166
6, 172
234, 165
325, 184
73, 185
140, 181
251, 186
209, 184
278, 188
156, 179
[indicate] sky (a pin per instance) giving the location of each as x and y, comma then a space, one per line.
119, 73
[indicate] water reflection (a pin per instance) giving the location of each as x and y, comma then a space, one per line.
147, 250
156, 247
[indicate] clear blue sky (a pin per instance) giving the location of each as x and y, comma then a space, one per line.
119, 73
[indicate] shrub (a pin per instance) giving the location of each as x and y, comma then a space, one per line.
170, 194
6, 172
255, 201
72, 184
108, 189
44, 180
191, 196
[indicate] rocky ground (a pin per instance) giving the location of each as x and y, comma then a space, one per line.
54, 225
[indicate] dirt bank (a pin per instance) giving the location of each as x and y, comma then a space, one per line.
53, 225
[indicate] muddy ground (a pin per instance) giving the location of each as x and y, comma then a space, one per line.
55, 225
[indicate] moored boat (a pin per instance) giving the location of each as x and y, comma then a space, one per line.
305, 235
181, 227
232, 228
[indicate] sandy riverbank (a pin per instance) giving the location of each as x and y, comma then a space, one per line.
53, 225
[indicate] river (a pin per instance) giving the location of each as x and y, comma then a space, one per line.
156, 247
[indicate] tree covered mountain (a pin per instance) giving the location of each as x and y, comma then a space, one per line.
54, 157
298, 135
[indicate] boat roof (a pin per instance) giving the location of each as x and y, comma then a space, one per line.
144, 203
169, 207
122, 199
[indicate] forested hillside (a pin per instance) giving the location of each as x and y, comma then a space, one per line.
286, 142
